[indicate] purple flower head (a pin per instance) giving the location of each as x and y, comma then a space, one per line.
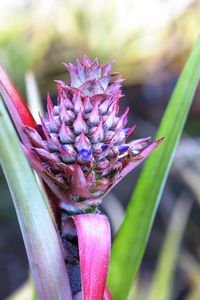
82, 151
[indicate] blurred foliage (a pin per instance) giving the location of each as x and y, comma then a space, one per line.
191, 267
141, 35
187, 165
161, 287
162, 284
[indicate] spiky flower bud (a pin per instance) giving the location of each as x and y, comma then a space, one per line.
82, 151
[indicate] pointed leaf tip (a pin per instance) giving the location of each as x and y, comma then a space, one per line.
14, 101
78, 183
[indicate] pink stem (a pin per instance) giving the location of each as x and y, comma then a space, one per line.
94, 240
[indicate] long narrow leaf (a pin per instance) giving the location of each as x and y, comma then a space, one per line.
130, 243
39, 234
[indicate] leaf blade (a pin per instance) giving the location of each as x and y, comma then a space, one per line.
39, 234
129, 245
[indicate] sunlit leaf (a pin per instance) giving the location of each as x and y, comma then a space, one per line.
130, 243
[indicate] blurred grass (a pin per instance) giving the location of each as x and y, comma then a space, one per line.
191, 266
33, 96
162, 284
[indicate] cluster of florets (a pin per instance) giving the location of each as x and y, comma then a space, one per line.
82, 150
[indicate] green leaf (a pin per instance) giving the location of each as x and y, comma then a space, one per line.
161, 286
39, 233
131, 240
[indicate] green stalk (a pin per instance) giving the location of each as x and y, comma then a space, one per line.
41, 240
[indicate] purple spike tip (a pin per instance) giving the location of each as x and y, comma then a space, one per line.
64, 148
126, 131
85, 154
40, 128
123, 148
104, 147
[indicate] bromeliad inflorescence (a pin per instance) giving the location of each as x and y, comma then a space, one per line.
80, 152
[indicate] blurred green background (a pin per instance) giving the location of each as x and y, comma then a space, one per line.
150, 41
